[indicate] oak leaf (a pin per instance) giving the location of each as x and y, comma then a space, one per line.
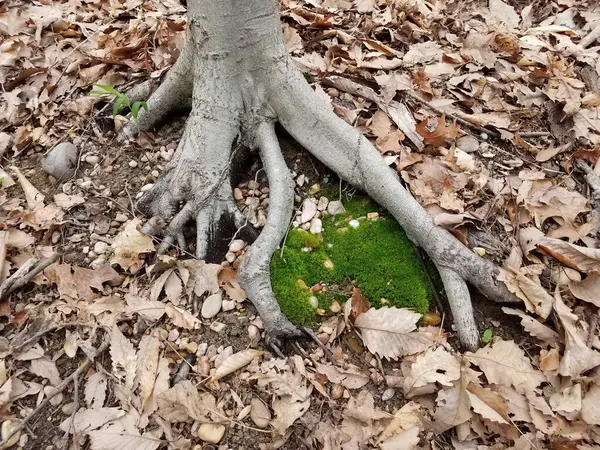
130, 245
441, 133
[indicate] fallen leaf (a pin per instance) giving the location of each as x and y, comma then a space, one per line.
68, 201
46, 368
129, 246
587, 289
504, 363
580, 258
488, 404
590, 406
431, 367
147, 367
236, 362
534, 327
182, 318
438, 136
86, 420
183, 402
391, 332
95, 390
359, 304
124, 357
228, 281
115, 440
350, 378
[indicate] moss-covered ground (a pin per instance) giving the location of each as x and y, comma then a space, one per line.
376, 256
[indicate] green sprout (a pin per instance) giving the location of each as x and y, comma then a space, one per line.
120, 100
487, 336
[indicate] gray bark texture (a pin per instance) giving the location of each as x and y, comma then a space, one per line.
238, 79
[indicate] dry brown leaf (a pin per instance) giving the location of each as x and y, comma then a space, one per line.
173, 288
391, 332
147, 367
350, 377
46, 368
199, 277
434, 366
406, 418
534, 327
124, 357
453, 408
149, 310
504, 363
35, 199
529, 290
118, 440
236, 362
577, 357
567, 401
588, 289
405, 440
584, 259
182, 318
129, 246
590, 406
488, 404
183, 402
358, 303
86, 420
95, 390
65, 201
228, 281
441, 133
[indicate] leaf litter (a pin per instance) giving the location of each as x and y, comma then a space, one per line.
487, 120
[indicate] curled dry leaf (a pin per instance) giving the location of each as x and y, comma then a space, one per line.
577, 357
528, 289
86, 420
228, 281
488, 404
183, 402
350, 378
580, 258
235, 362
391, 332
129, 247
587, 290
95, 390
534, 327
182, 318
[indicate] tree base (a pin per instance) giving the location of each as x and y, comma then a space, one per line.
237, 93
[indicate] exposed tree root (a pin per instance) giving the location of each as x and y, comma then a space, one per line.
241, 86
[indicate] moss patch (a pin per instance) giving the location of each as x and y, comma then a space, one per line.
375, 256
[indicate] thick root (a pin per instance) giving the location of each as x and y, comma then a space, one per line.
254, 274
347, 152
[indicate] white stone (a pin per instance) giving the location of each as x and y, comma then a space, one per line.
316, 226
387, 394
309, 209
61, 161
253, 185
121, 218
354, 223
92, 159
323, 202
335, 207
146, 187
238, 194
468, 144
300, 180
253, 332
211, 432
228, 305
212, 306
259, 413
99, 262
230, 257
236, 245
100, 247
314, 301
133, 164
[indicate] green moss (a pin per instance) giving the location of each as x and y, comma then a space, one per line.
376, 256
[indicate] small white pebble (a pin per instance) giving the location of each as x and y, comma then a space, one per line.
133, 164
147, 187
314, 301
100, 247
236, 245
354, 223
92, 159
155, 173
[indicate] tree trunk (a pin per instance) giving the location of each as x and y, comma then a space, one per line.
235, 74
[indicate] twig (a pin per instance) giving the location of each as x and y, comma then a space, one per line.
61, 387
593, 325
591, 37
184, 368
75, 408
310, 333
41, 333
23, 276
532, 134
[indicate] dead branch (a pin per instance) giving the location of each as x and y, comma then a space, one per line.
591, 37
25, 274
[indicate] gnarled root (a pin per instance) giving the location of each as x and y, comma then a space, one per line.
242, 85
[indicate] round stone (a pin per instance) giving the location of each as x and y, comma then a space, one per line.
61, 162
212, 306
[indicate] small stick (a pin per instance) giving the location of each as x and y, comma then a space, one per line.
61, 387
315, 338
590, 38
21, 271
49, 329
23, 278
593, 325
75, 408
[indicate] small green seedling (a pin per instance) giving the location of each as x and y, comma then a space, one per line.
120, 99
487, 336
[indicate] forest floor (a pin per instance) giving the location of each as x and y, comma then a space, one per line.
490, 114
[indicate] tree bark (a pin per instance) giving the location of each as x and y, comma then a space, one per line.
237, 77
